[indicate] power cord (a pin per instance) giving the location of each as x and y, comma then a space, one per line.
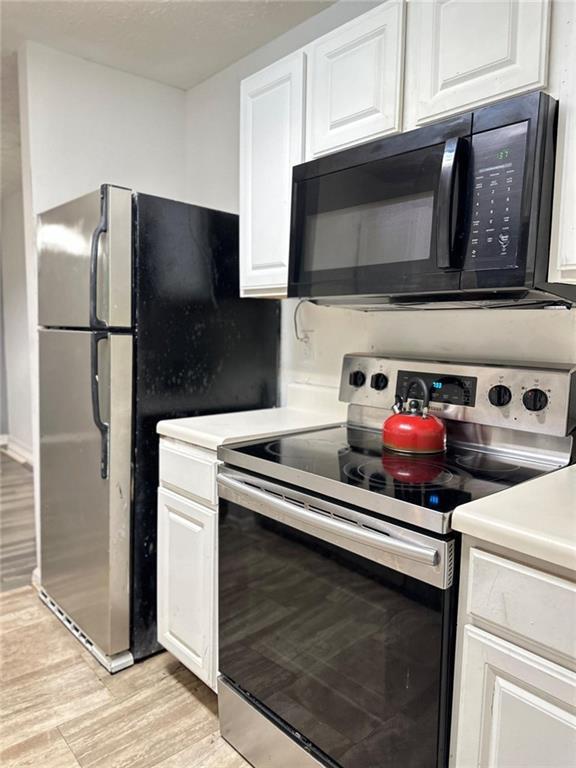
305, 338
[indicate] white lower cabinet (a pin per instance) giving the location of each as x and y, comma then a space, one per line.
187, 560
515, 680
517, 710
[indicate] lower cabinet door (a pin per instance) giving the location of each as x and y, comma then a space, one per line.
187, 583
516, 709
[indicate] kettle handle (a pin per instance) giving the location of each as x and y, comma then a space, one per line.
425, 392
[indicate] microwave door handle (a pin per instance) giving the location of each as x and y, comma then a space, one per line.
445, 255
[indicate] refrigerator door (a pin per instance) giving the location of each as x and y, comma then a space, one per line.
85, 262
85, 480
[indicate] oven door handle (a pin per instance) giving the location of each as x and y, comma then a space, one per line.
285, 511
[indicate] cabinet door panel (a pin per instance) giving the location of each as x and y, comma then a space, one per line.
354, 84
563, 88
186, 588
464, 53
271, 142
516, 709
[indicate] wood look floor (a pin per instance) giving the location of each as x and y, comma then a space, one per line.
17, 545
60, 709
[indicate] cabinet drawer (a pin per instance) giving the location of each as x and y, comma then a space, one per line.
189, 471
523, 601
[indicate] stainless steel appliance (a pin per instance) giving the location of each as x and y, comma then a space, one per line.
140, 320
338, 565
455, 211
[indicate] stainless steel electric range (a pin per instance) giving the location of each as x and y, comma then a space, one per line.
338, 565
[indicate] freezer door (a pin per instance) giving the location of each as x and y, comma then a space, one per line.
85, 480
84, 256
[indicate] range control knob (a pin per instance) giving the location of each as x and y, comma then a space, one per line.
379, 381
499, 395
535, 399
357, 378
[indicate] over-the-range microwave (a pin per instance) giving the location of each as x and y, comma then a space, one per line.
455, 211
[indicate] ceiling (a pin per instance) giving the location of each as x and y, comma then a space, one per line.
177, 42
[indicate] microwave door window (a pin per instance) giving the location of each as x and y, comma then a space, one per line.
370, 228
383, 232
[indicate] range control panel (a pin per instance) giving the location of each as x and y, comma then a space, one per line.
442, 388
494, 216
527, 398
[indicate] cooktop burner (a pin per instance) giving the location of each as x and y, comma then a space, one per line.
402, 470
327, 459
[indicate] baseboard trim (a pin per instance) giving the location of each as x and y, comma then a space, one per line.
16, 450
36, 579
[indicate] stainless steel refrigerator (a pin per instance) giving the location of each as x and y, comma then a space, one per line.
140, 319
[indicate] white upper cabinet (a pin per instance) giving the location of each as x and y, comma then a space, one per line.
354, 90
271, 142
465, 53
563, 88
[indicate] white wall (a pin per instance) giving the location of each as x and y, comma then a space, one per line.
3, 398
213, 110
15, 325
463, 335
90, 124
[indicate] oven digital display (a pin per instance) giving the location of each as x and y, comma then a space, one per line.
442, 388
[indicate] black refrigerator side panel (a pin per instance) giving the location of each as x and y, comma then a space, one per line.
199, 349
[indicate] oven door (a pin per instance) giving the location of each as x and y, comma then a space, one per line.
338, 626
381, 219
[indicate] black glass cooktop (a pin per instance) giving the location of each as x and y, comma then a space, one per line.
356, 458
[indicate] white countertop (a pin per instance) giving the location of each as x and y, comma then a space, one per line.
536, 518
309, 407
213, 431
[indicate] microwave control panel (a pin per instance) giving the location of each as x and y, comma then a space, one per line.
495, 198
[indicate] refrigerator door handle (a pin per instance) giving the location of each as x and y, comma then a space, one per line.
103, 427
102, 227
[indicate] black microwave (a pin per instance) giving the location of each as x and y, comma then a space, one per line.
459, 209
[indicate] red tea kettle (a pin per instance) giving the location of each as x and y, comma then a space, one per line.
415, 430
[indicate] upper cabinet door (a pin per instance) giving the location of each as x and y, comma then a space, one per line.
355, 81
271, 142
465, 53
563, 87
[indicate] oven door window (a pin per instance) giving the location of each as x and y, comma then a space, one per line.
370, 229
346, 652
